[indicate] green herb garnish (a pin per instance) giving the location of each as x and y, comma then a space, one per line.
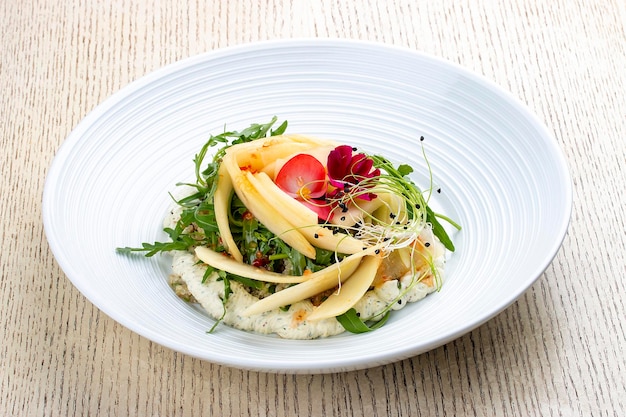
351, 321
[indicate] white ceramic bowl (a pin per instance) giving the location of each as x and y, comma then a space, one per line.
501, 174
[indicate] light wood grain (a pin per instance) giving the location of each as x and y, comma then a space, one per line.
558, 351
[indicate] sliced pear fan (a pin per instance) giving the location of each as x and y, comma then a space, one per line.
263, 211
242, 172
257, 153
392, 209
358, 211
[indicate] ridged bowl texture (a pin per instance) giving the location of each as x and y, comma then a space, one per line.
496, 170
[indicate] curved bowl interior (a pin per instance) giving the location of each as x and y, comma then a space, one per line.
501, 175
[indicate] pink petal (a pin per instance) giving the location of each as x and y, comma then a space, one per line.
322, 208
303, 176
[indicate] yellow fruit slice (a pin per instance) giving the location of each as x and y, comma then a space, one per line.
298, 214
225, 263
221, 205
258, 154
350, 292
311, 287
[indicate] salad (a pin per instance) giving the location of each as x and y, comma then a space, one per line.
301, 237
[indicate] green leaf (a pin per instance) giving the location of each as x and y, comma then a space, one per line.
227, 290
207, 273
279, 130
198, 209
353, 323
252, 283
152, 249
405, 170
438, 229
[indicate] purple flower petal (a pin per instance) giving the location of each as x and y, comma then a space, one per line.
346, 171
339, 160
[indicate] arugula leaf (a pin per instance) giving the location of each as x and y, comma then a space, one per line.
152, 249
438, 229
353, 323
405, 170
179, 242
248, 282
198, 211
227, 292
279, 130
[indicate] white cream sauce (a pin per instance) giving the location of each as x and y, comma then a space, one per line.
292, 323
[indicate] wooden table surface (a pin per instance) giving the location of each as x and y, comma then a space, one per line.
558, 351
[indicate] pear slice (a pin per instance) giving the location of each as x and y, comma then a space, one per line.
225, 263
254, 155
268, 215
350, 292
258, 154
221, 204
311, 287
324, 238
357, 211
298, 213
258, 157
391, 210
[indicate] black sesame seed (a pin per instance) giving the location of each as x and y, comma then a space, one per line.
392, 216
354, 149
399, 301
377, 251
343, 218
417, 206
316, 235
358, 314
421, 138
427, 244
438, 190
